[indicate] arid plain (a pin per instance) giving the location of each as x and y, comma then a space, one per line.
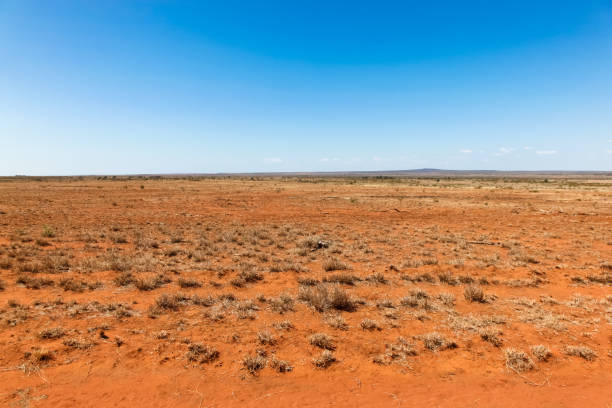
238, 291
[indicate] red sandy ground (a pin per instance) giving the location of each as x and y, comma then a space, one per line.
560, 232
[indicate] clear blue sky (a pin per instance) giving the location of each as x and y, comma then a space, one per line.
91, 87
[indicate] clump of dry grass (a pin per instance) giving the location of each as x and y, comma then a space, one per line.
436, 341
396, 353
377, 278
254, 363
336, 321
49, 334
342, 278
72, 285
124, 279
447, 299
151, 283
283, 325
491, 335
334, 264
518, 361
201, 353
323, 341
40, 356
369, 324
308, 281
265, 337
280, 366
418, 298
581, 351
541, 352
473, 293
189, 283
282, 304
326, 359
166, 302
34, 283
321, 298
78, 343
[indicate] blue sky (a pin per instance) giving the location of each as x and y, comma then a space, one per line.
115, 87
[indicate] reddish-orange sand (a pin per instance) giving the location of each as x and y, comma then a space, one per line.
140, 292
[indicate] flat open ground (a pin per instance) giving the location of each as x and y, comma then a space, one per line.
305, 292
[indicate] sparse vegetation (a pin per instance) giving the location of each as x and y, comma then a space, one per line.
326, 359
518, 361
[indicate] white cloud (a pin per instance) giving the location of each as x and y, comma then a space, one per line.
527, 148
546, 152
466, 151
502, 151
273, 160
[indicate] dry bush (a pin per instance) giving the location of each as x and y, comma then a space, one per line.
581, 351
324, 360
189, 283
336, 321
385, 303
308, 282
322, 340
396, 353
321, 298
448, 279
72, 285
369, 324
541, 352
280, 366
447, 299
343, 278
334, 264
40, 356
265, 337
34, 283
124, 279
377, 278
201, 353
206, 301
151, 283
518, 360
436, 341
254, 363
473, 293
418, 298
78, 343
283, 325
491, 335
169, 302
282, 304
48, 232
54, 333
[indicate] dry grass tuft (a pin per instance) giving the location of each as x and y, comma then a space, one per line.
491, 335
541, 352
325, 359
54, 333
518, 361
254, 363
473, 293
323, 341
369, 324
436, 341
201, 353
581, 351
